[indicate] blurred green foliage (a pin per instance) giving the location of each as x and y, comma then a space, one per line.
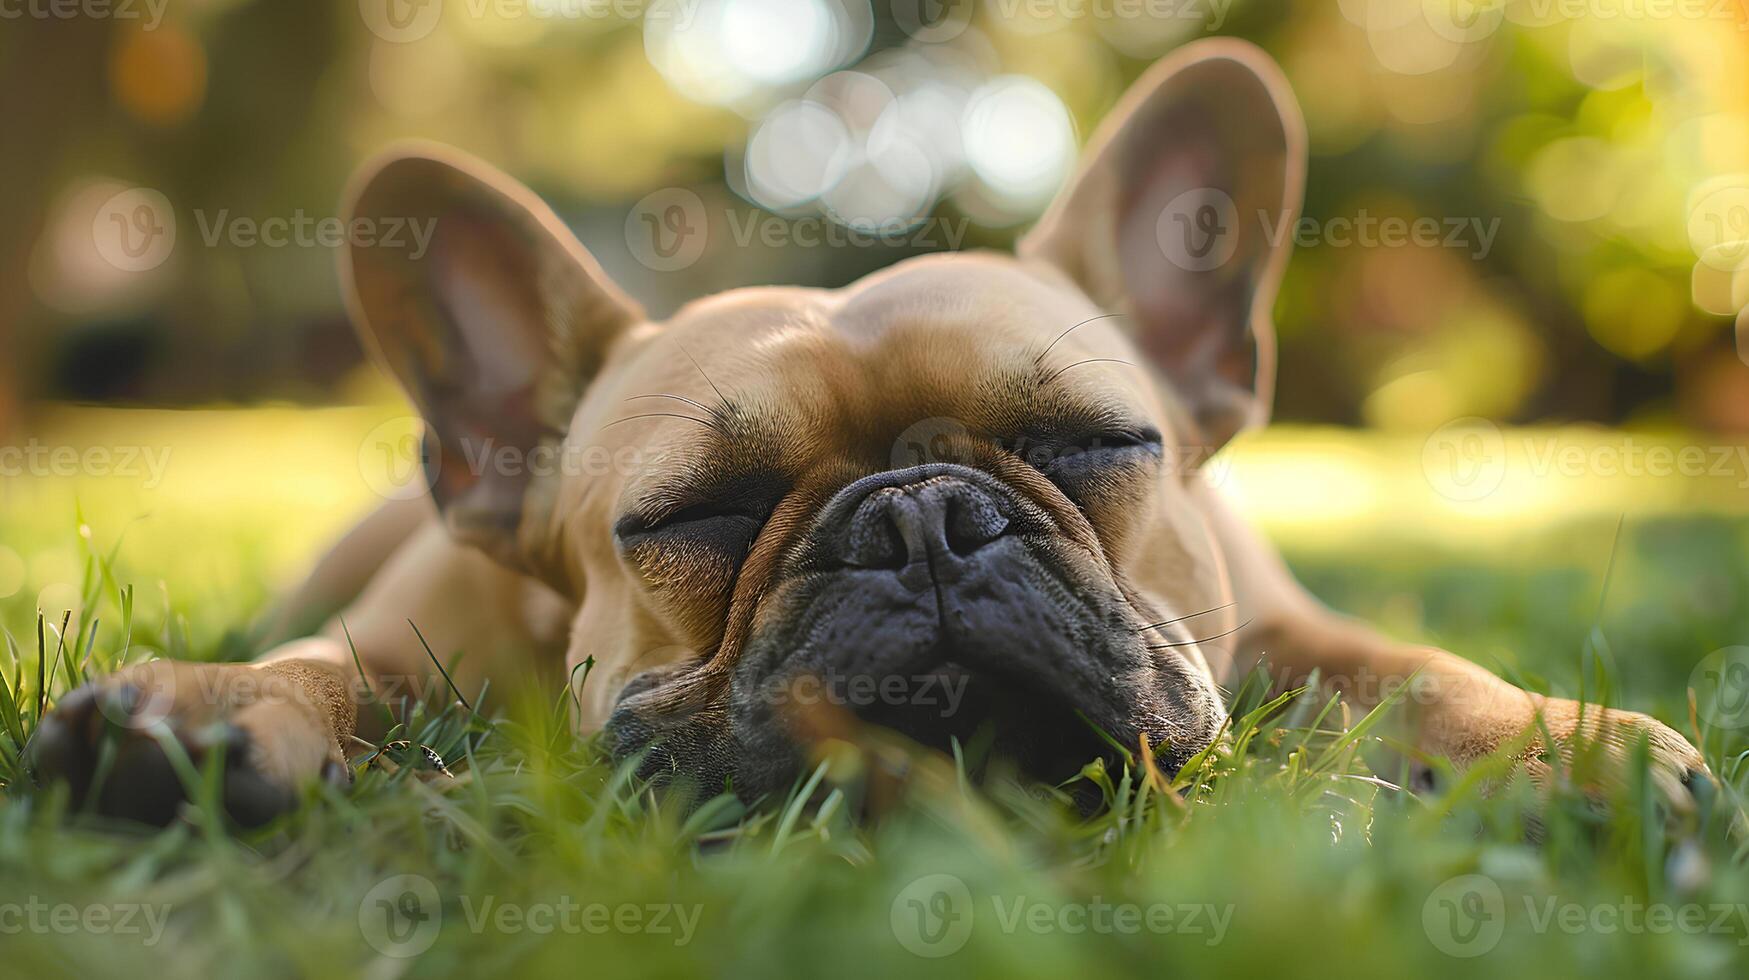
1310, 865
1581, 163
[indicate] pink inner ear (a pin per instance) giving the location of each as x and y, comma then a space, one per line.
1191, 320
1158, 288
490, 298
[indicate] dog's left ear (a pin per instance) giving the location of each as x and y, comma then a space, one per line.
479, 300
1182, 217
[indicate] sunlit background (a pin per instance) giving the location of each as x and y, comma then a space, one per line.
1583, 163
1526, 440
1603, 141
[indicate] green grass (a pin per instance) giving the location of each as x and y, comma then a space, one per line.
1310, 865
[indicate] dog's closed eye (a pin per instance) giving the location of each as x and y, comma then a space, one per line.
727, 528
686, 549
719, 517
1073, 463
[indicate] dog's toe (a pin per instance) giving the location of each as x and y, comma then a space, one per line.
116, 758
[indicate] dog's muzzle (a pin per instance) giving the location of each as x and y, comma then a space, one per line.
937, 602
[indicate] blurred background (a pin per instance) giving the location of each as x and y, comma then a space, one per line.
1582, 161
1514, 368
1518, 282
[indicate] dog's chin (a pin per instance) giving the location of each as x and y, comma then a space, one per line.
998, 723
1042, 712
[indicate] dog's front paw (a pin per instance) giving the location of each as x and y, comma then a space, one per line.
1596, 746
128, 745
1560, 743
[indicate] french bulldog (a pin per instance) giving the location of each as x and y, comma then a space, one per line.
977, 474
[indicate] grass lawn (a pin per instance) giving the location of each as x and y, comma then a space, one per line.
1280, 855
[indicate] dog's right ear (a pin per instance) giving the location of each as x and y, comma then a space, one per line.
1182, 217
491, 315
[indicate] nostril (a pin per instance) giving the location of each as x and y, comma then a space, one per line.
874, 539
972, 522
895, 527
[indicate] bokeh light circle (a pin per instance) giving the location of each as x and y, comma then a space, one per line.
1019, 139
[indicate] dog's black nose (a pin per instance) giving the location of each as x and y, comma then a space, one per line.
939, 519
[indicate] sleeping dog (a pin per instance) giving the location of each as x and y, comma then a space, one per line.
978, 472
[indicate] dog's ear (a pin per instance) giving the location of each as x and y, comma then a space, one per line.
1181, 217
490, 314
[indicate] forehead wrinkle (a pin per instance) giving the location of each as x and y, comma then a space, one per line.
988, 375
785, 406
811, 374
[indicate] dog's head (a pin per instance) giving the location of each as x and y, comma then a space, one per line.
958, 496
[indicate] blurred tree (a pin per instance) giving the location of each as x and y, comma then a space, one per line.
1581, 175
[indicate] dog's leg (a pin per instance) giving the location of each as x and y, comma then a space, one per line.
1451, 707
343, 573
289, 717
